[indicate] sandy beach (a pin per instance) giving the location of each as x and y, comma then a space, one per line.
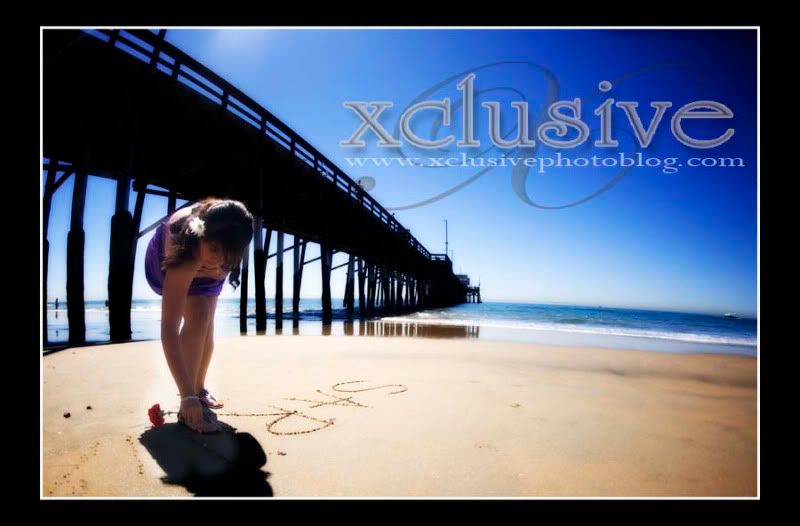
349, 416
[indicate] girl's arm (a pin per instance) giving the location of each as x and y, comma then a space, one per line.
173, 302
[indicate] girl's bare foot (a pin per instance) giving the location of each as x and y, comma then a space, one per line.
205, 426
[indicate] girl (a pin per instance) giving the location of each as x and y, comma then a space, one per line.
186, 264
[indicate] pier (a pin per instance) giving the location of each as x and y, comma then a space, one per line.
130, 107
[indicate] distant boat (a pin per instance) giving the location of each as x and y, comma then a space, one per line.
731, 315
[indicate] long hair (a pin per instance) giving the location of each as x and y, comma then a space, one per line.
228, 223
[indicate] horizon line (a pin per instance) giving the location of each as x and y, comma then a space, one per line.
744, 314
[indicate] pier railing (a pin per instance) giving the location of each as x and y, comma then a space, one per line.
151, 48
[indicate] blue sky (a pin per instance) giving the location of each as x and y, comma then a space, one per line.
684, 241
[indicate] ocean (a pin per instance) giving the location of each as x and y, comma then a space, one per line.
535, 323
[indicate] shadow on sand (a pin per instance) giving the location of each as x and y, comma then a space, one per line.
224, 464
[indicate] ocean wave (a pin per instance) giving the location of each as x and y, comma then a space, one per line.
584, 329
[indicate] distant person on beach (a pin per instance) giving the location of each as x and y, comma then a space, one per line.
187, 262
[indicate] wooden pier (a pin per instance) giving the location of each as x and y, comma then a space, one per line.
131, 107
474, 295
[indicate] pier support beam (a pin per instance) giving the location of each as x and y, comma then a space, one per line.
392, 291
76, 241
389, 302
120, 264
243, 278
362, 307
299, 254
370, 288
378, 291
349, 288
373, 287
138, 209
49, 190
259, 274
399, 295
385, 300
279, 283
376, 287
325, 266
45, 257
389, 292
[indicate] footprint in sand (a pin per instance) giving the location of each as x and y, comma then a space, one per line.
82, 459
129, 440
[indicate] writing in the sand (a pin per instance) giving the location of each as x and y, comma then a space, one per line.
283, 424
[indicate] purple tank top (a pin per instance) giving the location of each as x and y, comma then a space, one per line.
155, 277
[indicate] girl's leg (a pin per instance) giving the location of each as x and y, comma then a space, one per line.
193, 334
208, 346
